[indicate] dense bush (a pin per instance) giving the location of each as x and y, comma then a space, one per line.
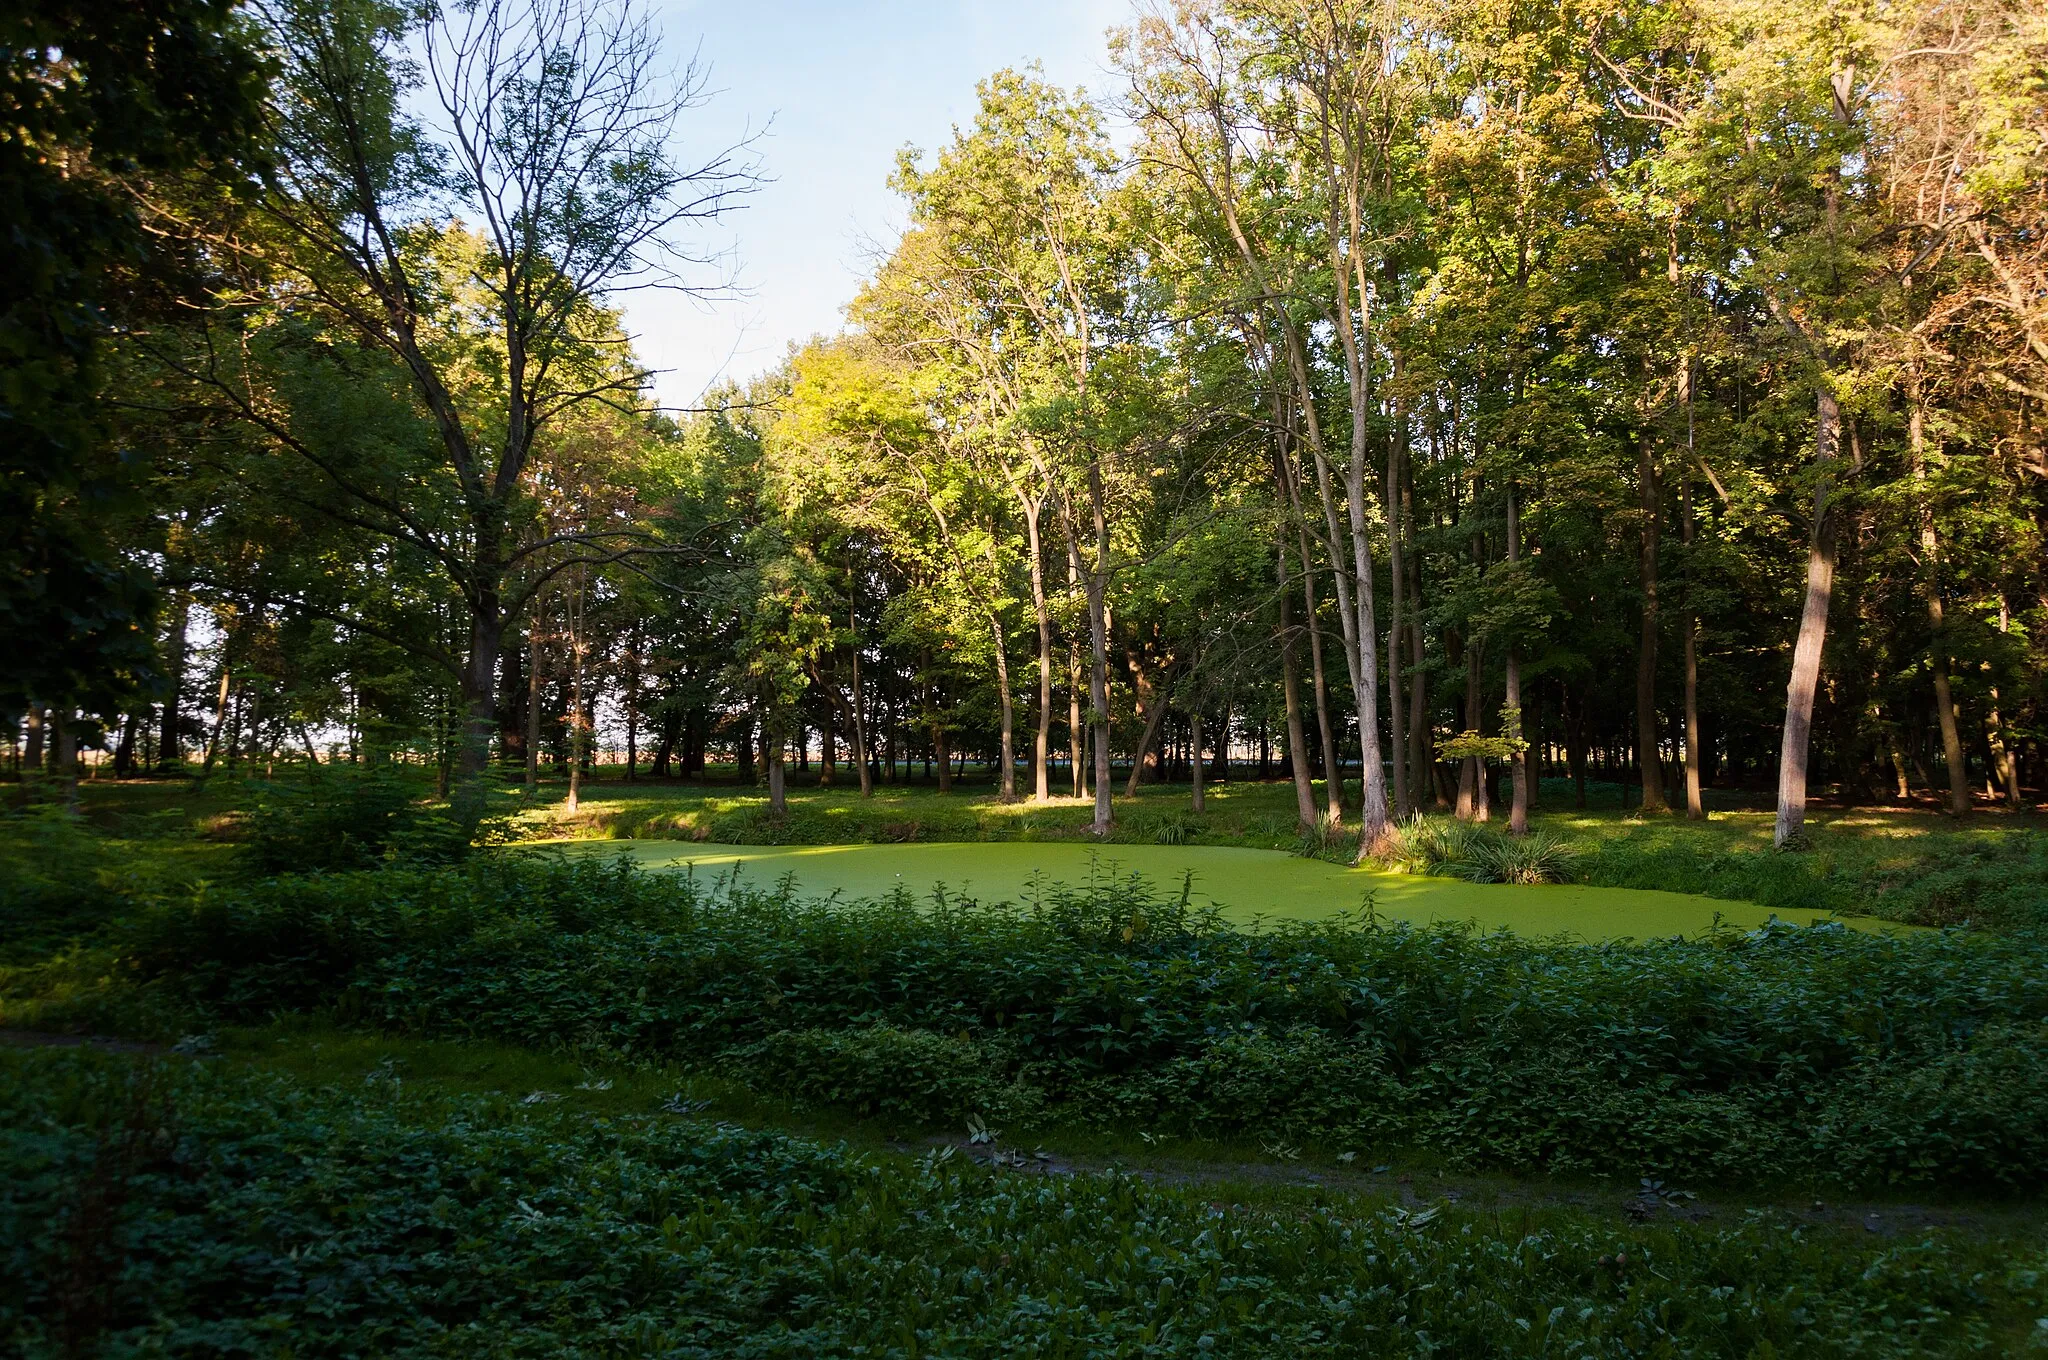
49, 892
176, 1211
1786, 1053
349, 819
880, 1069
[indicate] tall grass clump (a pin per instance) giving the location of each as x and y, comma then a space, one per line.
1805, 1054
1478, 854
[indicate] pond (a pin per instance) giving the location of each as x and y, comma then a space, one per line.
1248, 885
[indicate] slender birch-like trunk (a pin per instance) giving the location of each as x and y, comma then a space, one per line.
169, 753
1290, 684
1930, 580
1804, 681
1518, 813
1649, 504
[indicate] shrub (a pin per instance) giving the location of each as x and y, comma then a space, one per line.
49, 890
1177, 828
880, 1069
349, 820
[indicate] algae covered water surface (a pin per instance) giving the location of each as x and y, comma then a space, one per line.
1247, 885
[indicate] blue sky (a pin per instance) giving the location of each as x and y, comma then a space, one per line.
845, 85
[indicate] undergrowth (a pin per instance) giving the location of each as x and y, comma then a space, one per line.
1813, 1055
159, 1209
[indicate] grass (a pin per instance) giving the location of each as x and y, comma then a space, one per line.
1248, 886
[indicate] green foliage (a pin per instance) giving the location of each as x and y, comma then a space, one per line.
49, 892
1469, 744
1780, 1054
210, 1211
350, 820
91, 96
909, 1074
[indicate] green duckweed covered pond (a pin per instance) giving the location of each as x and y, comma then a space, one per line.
1246, 885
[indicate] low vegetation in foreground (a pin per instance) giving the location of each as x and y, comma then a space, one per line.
429, 1099
167, 1207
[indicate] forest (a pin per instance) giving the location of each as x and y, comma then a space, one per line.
1444, 398
483, 843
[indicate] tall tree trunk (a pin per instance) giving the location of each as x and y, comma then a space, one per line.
942, 755
860, 721
743, 752
533, 701
1647, 743
1518, 814
220, 706
1930, 580
480, 686
170, 753
1098, 636
1421, 757
1319, 687
1575, 744
1195, 765
1290, 686
1804, 682
1077, 744
2003, 762
1695, 795
1397, 731
778, 777
1354, 334
1326, 497
1695, 798
64, 756
575, 715
1472, 801
1041, 615
1008, 766
1153, 697
828, 746
124, 750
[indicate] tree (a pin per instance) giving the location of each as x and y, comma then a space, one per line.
552, 133
99, 99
